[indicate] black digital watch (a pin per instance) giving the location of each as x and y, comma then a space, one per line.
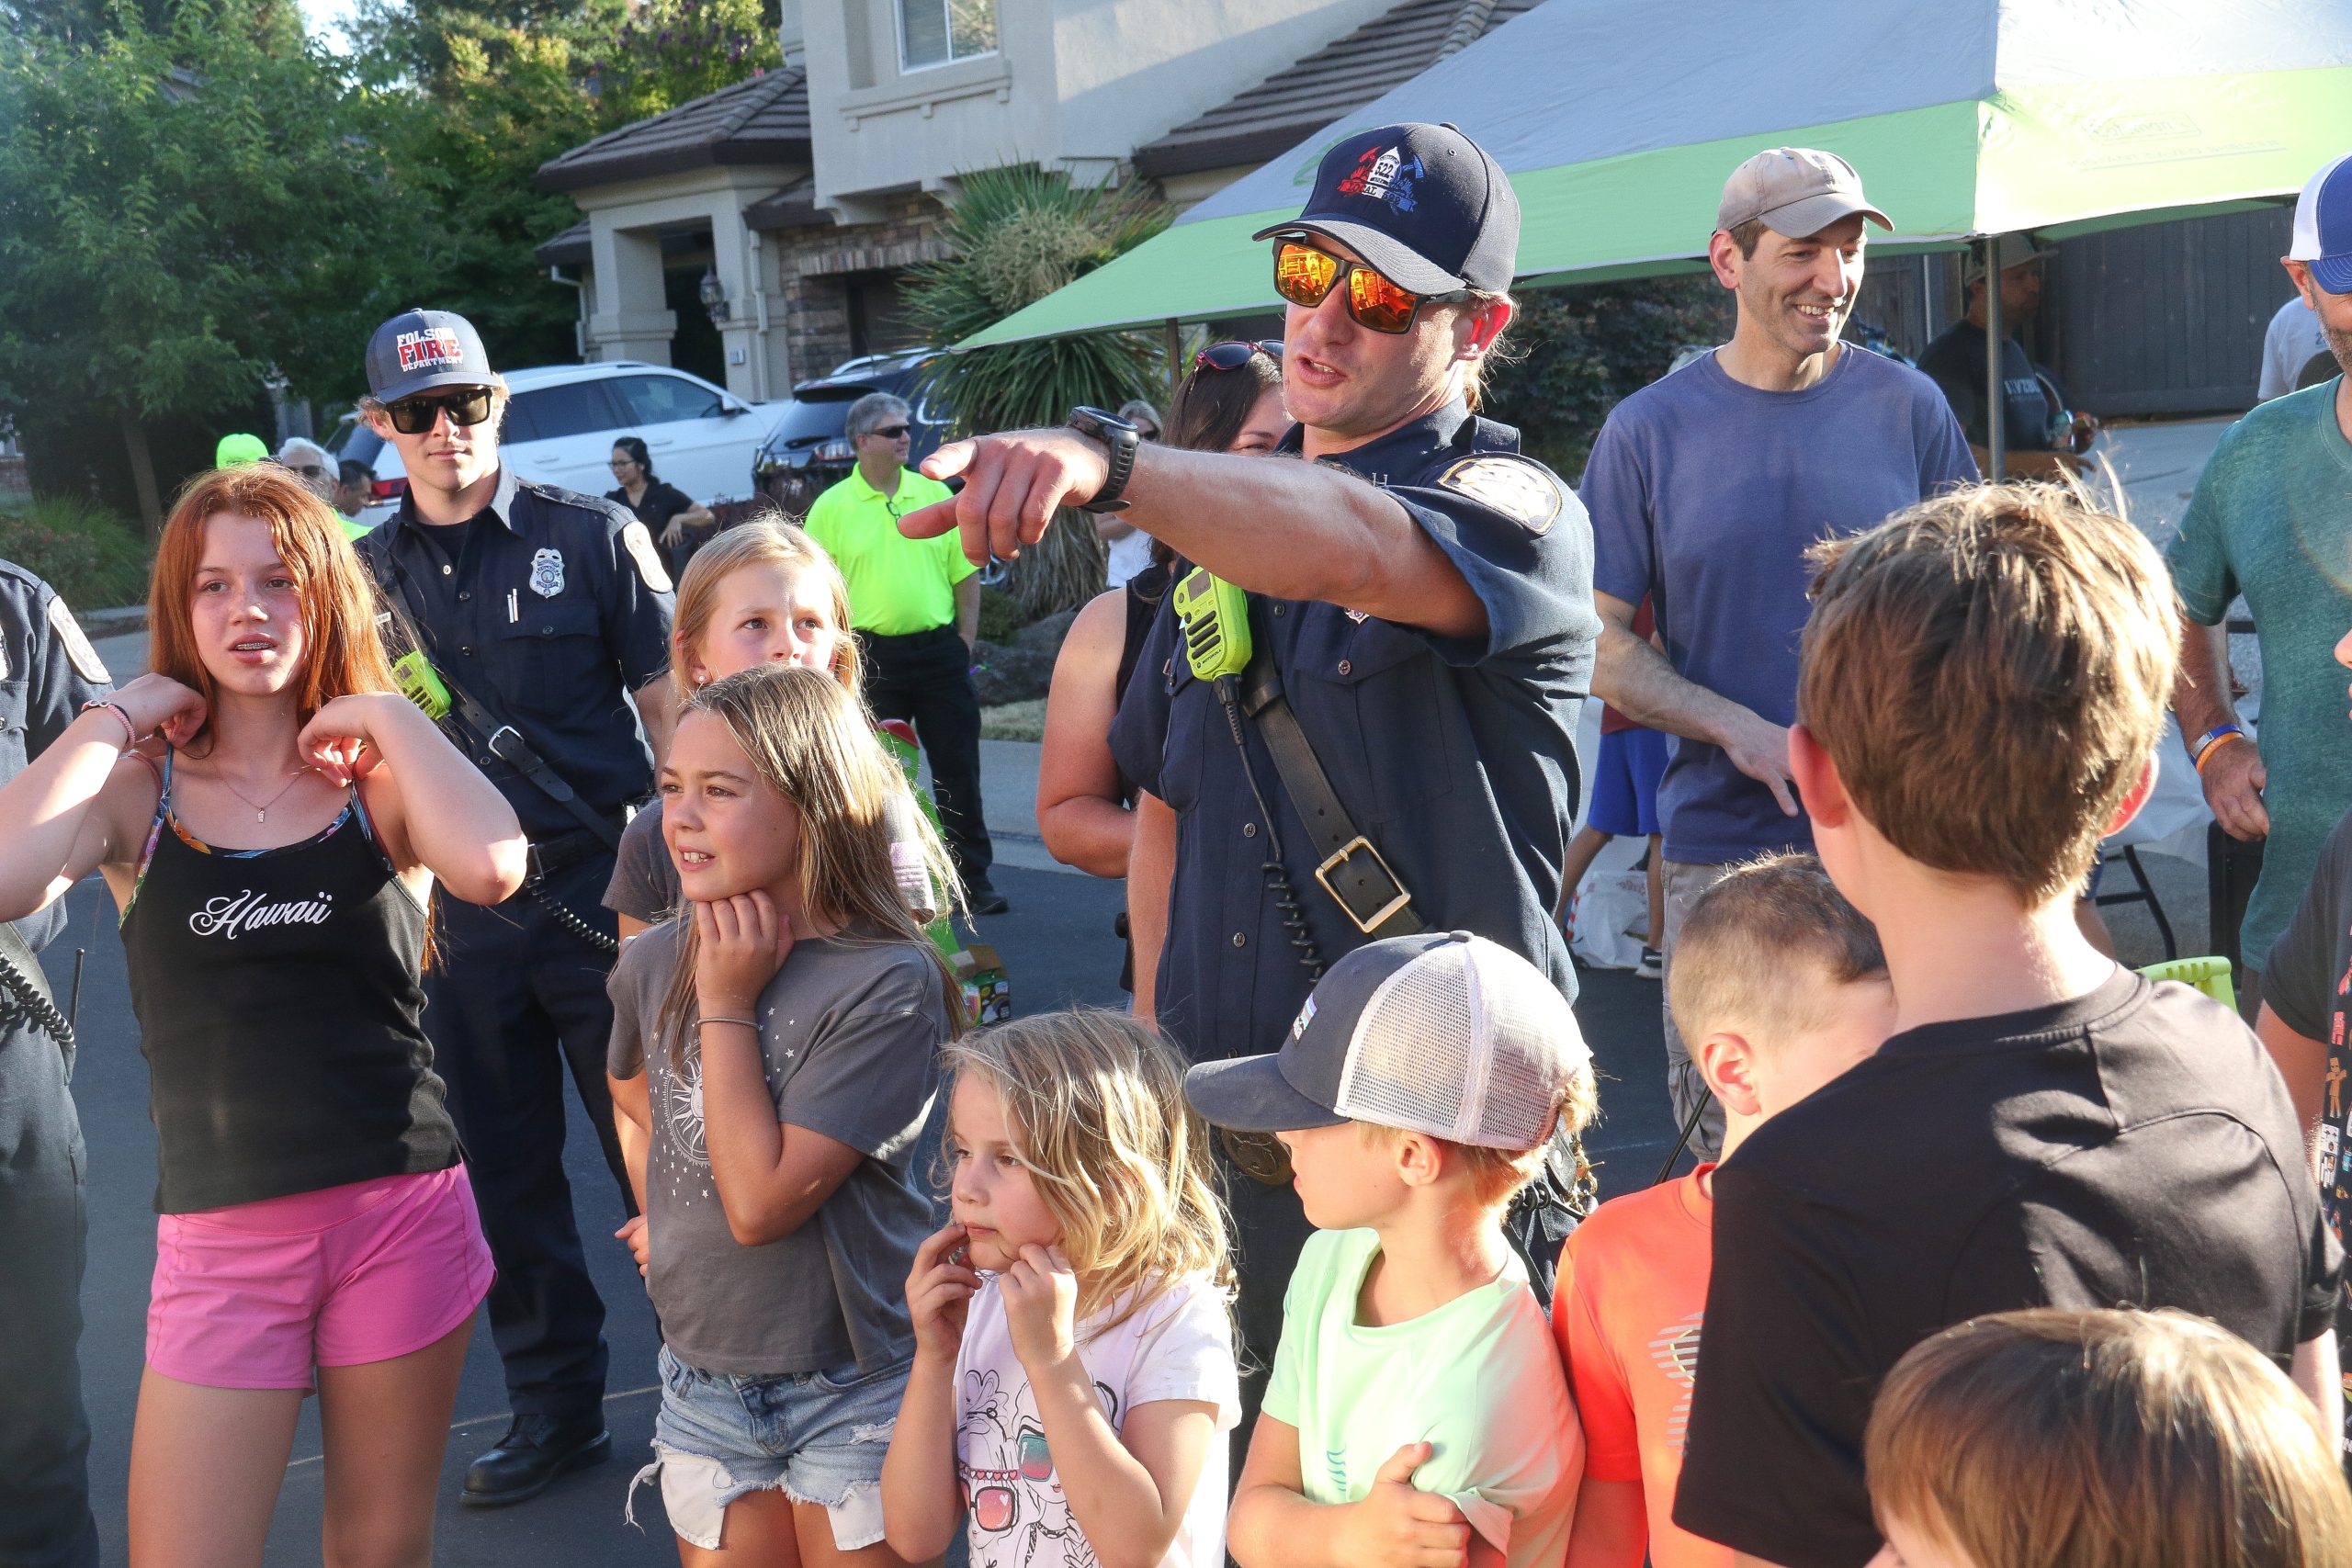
1120, 440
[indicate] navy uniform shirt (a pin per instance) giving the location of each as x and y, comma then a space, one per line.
1455, 756
47, 670
554, 606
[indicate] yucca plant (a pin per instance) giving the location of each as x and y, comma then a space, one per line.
1018, 235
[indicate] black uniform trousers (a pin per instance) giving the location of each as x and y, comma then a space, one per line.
44, 1431
925, 677
513, 1000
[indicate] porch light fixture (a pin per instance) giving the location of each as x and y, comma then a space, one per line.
713, 295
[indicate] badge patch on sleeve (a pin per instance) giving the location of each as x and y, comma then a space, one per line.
547, 573
1517, 489
78, 651
640, 542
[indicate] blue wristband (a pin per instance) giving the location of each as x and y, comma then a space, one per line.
2211, 738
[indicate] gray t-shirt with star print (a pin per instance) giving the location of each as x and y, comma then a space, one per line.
850, 1031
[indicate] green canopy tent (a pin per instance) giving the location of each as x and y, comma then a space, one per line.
1618, 122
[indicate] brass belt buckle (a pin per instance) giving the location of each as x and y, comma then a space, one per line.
1341, 856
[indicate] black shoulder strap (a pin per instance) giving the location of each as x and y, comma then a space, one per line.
1350, 867
501, 738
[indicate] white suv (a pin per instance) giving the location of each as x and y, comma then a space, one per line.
563, 419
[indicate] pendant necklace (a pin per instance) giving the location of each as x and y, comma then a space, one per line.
261, 809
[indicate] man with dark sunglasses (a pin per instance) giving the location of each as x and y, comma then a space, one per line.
548, 610
1422, 595
915, 606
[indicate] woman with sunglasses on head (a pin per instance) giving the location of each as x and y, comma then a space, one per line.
1420, 595
1231, 402
258, 807
665, 509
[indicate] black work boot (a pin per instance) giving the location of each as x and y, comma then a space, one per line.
535, 1449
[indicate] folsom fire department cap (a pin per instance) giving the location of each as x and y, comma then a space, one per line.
1423, 204
2323, 232
1444, 1032
418, 350
1796, 191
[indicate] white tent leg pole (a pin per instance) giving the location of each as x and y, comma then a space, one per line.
1996, 402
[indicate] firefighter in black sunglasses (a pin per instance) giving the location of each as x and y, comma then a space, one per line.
1419, 593
539, 608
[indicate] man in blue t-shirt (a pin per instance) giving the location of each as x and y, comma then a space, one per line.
1707, 488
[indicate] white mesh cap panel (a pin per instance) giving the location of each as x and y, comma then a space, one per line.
1405, 1061
1535, 1046
1467, 1042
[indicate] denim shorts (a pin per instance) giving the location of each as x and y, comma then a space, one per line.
819, 1438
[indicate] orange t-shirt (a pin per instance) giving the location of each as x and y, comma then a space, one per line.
1625, 1313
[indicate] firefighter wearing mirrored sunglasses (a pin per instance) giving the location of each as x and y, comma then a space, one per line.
1422, 592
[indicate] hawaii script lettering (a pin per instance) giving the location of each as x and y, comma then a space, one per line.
233, 915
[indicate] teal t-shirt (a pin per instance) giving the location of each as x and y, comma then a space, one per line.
2271, 518
1478, 1379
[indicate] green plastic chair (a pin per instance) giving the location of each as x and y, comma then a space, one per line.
2210, 975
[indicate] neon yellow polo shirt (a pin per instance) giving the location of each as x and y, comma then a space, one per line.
897, 585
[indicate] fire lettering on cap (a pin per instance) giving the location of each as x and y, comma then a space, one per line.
434, 345
1384, 174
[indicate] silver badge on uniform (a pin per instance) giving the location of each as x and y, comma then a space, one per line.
78, 651
547, 573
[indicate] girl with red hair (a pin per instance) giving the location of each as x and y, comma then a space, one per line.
258, 807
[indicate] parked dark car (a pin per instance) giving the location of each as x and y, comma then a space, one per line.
809, 449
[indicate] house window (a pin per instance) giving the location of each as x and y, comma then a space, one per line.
933, 32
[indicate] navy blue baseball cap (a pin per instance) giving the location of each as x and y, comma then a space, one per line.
1423, 204
419, 350
2323, 232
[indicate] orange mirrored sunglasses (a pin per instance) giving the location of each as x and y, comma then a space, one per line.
1305, 275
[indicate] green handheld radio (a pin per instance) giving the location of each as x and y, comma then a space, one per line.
421, 685
1215, 618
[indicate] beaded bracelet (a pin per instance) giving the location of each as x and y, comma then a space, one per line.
130, 731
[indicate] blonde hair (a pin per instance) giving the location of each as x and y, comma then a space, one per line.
1989, 670
1754, 949
2046, 1439
1497, 1175
768, 541
1094, 1102
807, 739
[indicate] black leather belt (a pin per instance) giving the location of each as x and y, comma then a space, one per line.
560, 851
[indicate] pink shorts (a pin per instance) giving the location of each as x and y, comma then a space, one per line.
256, 1294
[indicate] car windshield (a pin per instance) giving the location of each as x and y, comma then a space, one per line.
811, 416
357, 444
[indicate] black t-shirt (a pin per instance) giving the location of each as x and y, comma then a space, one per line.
1955, 361
2133, 1147
660, 502
2305, 981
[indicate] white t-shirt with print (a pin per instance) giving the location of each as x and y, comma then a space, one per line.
1179, 1347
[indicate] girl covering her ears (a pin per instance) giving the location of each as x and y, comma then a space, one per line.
774, 1058
1074, 1370
256, 805
764, 592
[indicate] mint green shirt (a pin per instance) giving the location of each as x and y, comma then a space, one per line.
897, 585
1478, 1378
2271, 518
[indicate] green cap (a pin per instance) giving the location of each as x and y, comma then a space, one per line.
239, 449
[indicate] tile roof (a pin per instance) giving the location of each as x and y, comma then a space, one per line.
1293, 105
570, 248
764, 119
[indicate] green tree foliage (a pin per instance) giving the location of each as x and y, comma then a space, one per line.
1573, 353
1019, 234
177, 212
671, 51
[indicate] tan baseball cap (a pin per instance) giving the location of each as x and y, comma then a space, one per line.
1795, 191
